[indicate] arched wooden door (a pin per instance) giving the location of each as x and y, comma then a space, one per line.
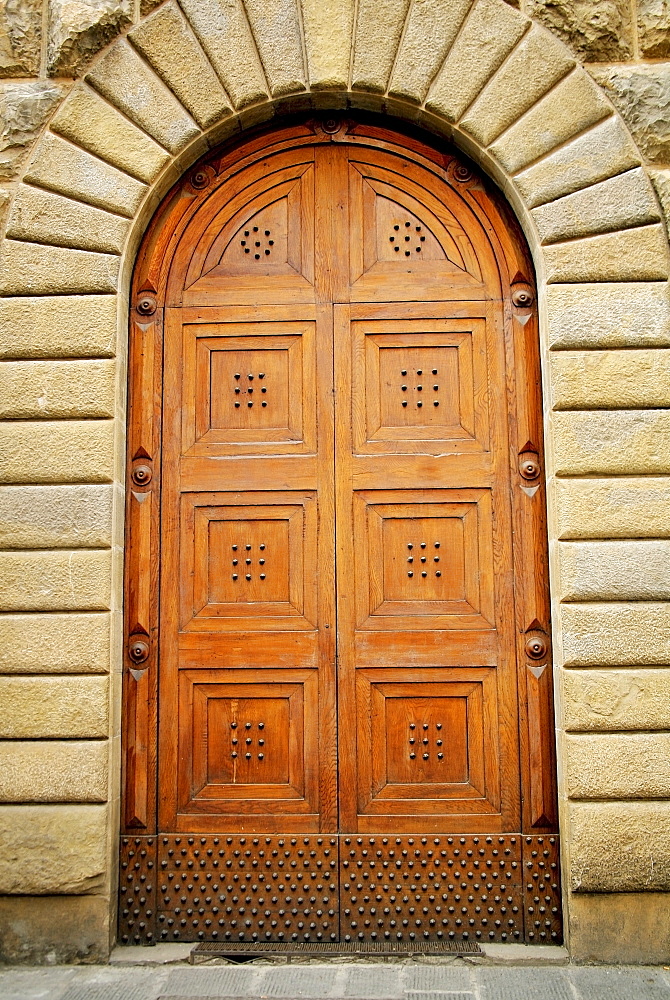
338, 699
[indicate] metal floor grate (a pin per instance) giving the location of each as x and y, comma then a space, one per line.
401, 949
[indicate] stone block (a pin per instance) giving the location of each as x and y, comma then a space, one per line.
41, 517
90, 122
574, 105
24, 107
537, 63
615, 634
429, 34
44, 217
661, 182
632, 255
379, 28
42, 930
57, 451
36, 708
617, 766
276, 28
619, 846
612, 442
328, 27
642, 95
34, 269
486, 39
20, 37
57, 389
53, 849
54, 644
78, 31
615, 571
612, 508
602, 152
54, 771
127, 82
595, 30
618, 203
225, 35
631, 928
608, 315
585, 380
62, 580
615, 700
653, 28
167, 41
58, 326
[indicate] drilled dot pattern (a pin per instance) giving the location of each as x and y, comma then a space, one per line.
425, 389
247, 741
137, 895
423, 560
249, 389
542, 890
407, 238
426, 741
245, 564
257, 243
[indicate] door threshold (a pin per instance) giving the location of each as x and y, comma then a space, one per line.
242, 951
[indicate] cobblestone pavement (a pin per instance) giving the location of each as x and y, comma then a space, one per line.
412, 980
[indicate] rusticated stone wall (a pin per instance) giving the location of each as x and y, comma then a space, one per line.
103, 106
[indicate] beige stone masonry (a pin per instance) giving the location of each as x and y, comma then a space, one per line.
41, 517
615, 571
632, 255
603, 924
429, 34
58, 326
490, 33
72, 837
57, 389
608, 315
54, 708
63, 927
62, 580
537, 63
612, 442
328, 27
77, 31
378, 31
612, 508
571, 107
225, 35
610, 379
44, 217
615, 634
54, 643
71, 771
602, 152
33, 269
618, 203
167, 41
92, 123
62, 167
631, 766
275, 26
661, 182
57, 451
601, 700
619, 846
127, 82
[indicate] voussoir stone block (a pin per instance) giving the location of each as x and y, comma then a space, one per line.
621, 766
378, 31
619, 846
596, 30
34, 269
54, 708
276, 28
661, 182
616, 634
58, 326
90, 122
653, 28
615, 571
612, 508
490, 33
642, 94
614, 442
429, 33
632, 255
57, 389
20, 38
54, 643
127, 82
61, 580
167, 41
223, 29
538, 62
616, 700
65, 451
54, 771
618, 203
78, 30
610, 379
53, 849
24, 107
328, 27
40, 517
630, 314
45, 217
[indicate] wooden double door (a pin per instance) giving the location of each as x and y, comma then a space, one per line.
336, 599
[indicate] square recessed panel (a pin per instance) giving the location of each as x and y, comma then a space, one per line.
248, 561
249, 390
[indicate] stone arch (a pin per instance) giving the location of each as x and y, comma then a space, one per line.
513, 97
